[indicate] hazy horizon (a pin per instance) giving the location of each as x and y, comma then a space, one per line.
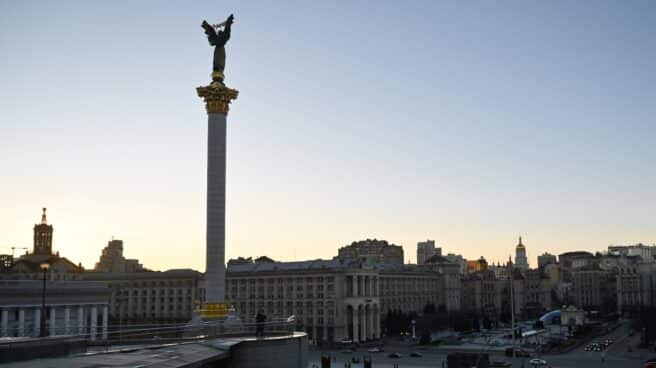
467, 123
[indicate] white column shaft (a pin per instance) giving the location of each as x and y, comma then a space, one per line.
21, 322
215, 225
356, 325
53, 321
67, 320
37, 322
80, 320
365, 324
105, 317
94, 322
4, 330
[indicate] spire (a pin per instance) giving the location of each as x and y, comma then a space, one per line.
43, 217
520, 240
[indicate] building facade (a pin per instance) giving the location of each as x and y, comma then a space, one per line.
332, 300
71, 308
594, 289
372, 251
426, 250
151, 297
546, 259
645, 252
112, 259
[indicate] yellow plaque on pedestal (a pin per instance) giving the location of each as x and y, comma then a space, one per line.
214, 310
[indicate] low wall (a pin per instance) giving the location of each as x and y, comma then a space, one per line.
288, 352
40, 348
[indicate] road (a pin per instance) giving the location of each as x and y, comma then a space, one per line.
434, 359
616, 356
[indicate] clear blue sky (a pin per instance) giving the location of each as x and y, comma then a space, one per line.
465, 122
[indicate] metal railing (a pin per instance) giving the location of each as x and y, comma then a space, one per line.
169, 333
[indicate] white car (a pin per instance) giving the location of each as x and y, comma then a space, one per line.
374, 350
537, 362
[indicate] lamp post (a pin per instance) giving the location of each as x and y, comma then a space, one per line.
42, 330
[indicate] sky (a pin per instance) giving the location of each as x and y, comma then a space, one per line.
470, 123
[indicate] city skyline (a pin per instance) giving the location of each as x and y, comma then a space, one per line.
435, 123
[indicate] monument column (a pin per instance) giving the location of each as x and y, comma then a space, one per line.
217, 98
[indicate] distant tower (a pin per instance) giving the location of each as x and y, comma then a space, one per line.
521, 261
43, 236
425, 250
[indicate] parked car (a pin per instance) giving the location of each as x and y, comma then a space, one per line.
537, 362
416, 354
374, 350
395, 355
499, 364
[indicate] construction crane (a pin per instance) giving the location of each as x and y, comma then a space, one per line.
13, 250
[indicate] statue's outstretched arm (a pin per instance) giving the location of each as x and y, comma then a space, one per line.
224, 35
210, 32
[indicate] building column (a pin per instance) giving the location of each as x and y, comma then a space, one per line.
37, 322
67, 320
53, 321
366, 325
80, 320
4, 330
371, 322
21, 322
356, 324
94, 322
378, 334
354, 285
105, 317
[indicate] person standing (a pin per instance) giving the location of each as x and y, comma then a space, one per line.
260, 318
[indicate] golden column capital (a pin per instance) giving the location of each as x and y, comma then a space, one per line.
217, 97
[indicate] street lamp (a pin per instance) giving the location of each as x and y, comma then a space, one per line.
44, 266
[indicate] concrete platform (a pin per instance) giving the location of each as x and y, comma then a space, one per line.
244, 352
